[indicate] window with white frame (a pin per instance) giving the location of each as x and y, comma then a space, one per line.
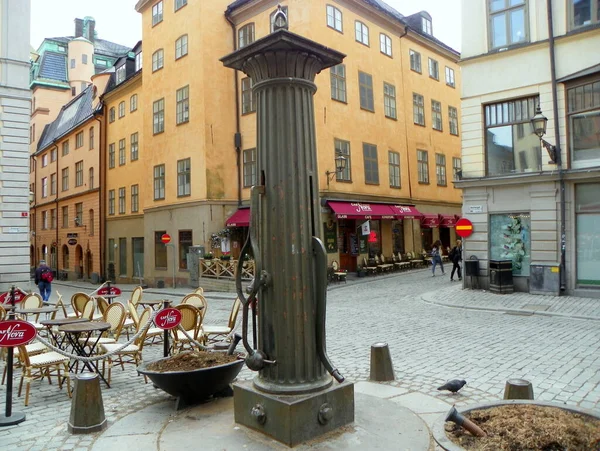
133, 103
249, 167
111, 202
334, 18
342, 148
415, 61
394, 164
371, 164
434, 71
79, 140
79, 173
91, 138
65, 148
44, 186
111, 114
456, 167
111, 156
583, 116
423, 166
159, 182
247, 96
44, 160
157, 13
385, 44
181, 46
180, 4
53, 152
53, 186
338, 82
135, 198
121, 74
183, 105
65, 179
246, 35
389, 100
508, 22
184, 177
418, 109
361, 33
583, 12
158, 60
436, 115
158, 116
134, 151
440, 169
121, 109
426, 25
122, 157
122, 205
91, 178
453, 120
365, 82
44, 220
138, 61
450, 76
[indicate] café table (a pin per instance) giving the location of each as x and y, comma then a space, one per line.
53, 324
35, 311
109, 297
74, 332
153, 303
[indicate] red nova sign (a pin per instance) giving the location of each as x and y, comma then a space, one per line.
16, 333
19, 296
112, 290
168, 318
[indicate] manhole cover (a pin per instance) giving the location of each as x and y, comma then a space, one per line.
536, 307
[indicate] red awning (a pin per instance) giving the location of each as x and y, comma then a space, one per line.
240, 218
406, 212
448, 220
430, 221
360, 210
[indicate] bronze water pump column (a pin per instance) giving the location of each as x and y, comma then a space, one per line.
293, 397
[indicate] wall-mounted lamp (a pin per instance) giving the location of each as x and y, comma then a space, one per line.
539, 123
31, 197
340, 165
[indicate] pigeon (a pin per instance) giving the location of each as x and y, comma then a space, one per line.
454, 385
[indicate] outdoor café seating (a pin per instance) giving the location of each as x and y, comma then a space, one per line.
212, 332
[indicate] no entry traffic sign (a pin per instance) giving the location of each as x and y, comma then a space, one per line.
165, 238
464, 227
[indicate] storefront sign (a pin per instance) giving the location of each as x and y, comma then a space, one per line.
330, 232
72, 242
16, 333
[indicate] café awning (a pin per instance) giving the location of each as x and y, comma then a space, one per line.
240, 218
430, 221
406, 212
361, 210
448, 220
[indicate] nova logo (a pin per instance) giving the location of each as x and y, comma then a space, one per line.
361, 207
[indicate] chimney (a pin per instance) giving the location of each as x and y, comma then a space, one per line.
91, 26
78, 27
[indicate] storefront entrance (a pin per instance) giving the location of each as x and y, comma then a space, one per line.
348, 244
588, 239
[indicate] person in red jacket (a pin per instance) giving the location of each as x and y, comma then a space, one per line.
43, 279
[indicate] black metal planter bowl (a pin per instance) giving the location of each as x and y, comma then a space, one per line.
439, 433
195, 386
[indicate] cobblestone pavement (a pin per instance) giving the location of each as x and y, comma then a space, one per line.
429, 343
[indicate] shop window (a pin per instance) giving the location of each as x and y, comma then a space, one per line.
587, 208
510, 239
583, 113
123, 257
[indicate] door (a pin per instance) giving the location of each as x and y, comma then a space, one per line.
347, 245
138, 257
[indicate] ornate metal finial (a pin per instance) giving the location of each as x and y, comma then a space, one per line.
280, 21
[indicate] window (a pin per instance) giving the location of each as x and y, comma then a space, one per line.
249, 168
361, 33
111, 114
583, 115
73, 91
53, 153
453, 120
338, 82
138, 61
389, 100
79, 140
91, 177
434, 71
385, 44
32, 134
44, 219
160, 250
365, 82
510, 143
246, 35
53, 218
122, 200
91, 138
121, 74
65, 179
158, 60
436, 115
72, 63
133, 103
185, 242
44, 160
272, 17
65, 217
79, 213
450, 77
334, 18
247, 96
53, 183
394, 162
65, 148
456, 167
508, 25
418, 109
79, 173
91, 222
121, 109
111, 202
584, 12
111, 155
415, 61
183, 105
134, 147
426, 25
159, 182
111, 250
45, 187
343, 148
122, 157
123, 257
184, 177
181, 46
371, 165
507, 234
180, 4
440, 169
158, 111
84, 59
157, 13
423, 166
135, 198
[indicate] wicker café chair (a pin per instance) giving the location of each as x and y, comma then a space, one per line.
197, 300
60, 304
136, 296
199, 291
2, 313
130, 354
371, 269
78, 301
33, 348
211, 332
103, 304
115, 316
338, 274
88, 309
191, 322
40, 366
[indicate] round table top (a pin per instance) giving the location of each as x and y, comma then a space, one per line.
61, 321
89, 326
37, 310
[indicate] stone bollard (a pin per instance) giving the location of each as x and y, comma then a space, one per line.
518, 389
87, 408
381, 363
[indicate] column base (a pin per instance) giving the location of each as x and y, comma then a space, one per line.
294, 419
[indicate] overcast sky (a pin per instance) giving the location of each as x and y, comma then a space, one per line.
117, 20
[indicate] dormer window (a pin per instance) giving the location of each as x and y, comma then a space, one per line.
426, 25
138, 61
121, 74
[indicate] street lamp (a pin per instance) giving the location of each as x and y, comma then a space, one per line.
31, 197
340, 165
539, 123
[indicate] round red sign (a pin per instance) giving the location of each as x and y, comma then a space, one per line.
19, 296
165, 238
464, 227
16, 333
168, 318
112, 290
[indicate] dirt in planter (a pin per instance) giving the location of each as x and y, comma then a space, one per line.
528, 428
188, 361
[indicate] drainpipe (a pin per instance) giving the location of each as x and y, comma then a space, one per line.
561, 173
35, 187
102, 186
56, 205
238, 134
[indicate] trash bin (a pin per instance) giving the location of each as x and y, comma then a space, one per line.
501, 277
471, 270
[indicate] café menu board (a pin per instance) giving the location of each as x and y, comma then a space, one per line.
354, 245
330, 232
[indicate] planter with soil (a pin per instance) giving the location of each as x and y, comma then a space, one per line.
193, 377
522, 425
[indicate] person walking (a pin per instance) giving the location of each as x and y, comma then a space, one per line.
436, 257
456, 257
43, 279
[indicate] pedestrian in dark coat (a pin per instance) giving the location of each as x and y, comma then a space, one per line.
456, 257
43, 279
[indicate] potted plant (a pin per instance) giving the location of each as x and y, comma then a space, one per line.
208, 256
225, 257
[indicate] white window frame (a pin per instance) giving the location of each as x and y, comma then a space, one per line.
506, 11
182, 108
181, 46
158, 60
385, 44
415, 61
158, 116
389, 101
334, 18
157, 13
394, 169
184, 177
434, 69
338, 83
361, 33
450, 77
